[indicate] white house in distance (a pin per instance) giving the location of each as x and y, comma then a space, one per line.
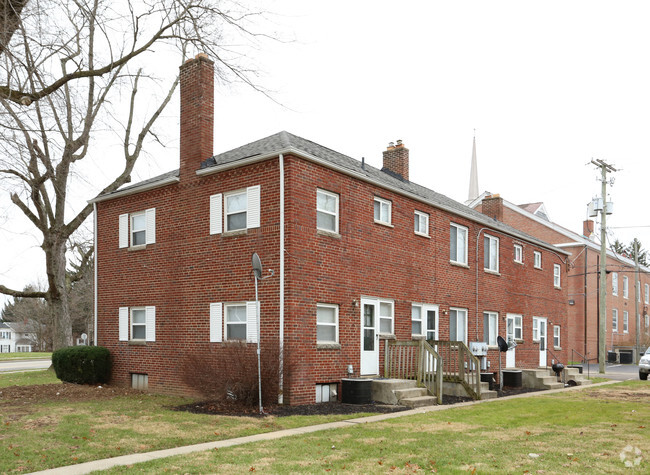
15, 339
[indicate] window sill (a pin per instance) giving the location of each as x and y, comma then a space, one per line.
521, 263
324, 232
137, 343
139, 247
382, 223
557, 348
557, 288
328, 346
538, 268
387, 336
418, 337
459, 264
493, 272
239, 232
423, 235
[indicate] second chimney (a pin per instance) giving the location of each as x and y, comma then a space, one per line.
588, 228
396, 160
492, 206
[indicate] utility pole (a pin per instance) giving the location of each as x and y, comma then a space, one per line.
602, 317
637, 297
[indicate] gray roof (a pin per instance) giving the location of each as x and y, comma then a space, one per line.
285, 142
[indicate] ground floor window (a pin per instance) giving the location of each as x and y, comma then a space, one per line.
23, 348
458, 324
490, 327
556, 336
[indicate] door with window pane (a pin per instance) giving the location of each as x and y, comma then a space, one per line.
369, 337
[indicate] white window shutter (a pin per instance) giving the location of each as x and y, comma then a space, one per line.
216, 214
123, 324
251, 322
124, 230
216, 322
151, 323
150, 215
253, 207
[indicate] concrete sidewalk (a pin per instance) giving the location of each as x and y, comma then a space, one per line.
104, 464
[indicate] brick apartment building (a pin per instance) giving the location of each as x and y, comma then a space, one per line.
360, 256
582, 333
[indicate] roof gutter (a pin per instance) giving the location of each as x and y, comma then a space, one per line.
135, 189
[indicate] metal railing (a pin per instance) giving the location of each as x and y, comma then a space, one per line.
416, 360
459, 365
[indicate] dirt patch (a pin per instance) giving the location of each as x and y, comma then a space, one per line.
640, 395
26, 395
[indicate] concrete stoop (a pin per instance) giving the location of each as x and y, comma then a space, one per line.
545, 378
401, 391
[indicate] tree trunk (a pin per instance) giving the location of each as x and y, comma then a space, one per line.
58, 295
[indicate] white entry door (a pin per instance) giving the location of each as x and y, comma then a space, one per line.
513, 326
369, 337
541, 322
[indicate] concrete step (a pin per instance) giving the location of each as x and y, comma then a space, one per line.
488, 394
383, 390
553, 385
419, 401
410, 392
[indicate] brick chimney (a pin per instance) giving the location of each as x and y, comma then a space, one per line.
197, 113
492, 206
588, 228
396, 160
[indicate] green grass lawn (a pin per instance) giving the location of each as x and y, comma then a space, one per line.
28, 378
594, 430
24, 356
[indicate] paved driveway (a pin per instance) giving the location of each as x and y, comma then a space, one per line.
618, 372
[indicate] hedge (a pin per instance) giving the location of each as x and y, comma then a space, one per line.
82, 364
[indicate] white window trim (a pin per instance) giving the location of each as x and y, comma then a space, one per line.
536, 328
335, 324
219, 216
226, 214
537, 259
557, 335
615, 283
557, 276
491, 239
382, 202
335, 214
424, 308
520, 248
614, 320
380, 317
647, 294
625, 287
496, 329
125, 323
218, 323
466, 312
125, 228
421, 216
626, 321
465, 247
515, 327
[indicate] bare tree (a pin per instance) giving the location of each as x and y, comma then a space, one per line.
64, 74
10, 11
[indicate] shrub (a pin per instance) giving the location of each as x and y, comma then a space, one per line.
82, 364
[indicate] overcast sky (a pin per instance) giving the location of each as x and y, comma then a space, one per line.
546, 85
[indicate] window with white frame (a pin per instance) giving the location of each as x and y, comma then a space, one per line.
519, 253
382, 210
535, 329
491, 253
416, 321
327, 211
137, 229
614, 283
537, 259
556, 336
386, 317
235, 210
614, 320
647, 323
458, 244
517, 326
647, 294
625, 287
5, 335
233, 321
421, 223
424, 321
625, 321
137, 323
557, 275
490, 327
327, 320
458, 324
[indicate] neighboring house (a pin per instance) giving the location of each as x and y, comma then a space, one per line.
582, 334
361, 256
15, 337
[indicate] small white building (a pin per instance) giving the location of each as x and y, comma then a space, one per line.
14, 338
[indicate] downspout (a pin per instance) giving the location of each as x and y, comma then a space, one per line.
585, 301
95, 272
281, 322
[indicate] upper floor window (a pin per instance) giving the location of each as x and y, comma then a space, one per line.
235, 210
625, 321
5, 335
491, 253
625, 290
614, 283
614, 320
458, 244
647, 294
327, 211
421, 223
137, 323
556, 275
519, 253
137, 229
538, 259
235, 321
382, 210
327, 318
490, 327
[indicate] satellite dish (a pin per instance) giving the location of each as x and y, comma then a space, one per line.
257, 266
503, 346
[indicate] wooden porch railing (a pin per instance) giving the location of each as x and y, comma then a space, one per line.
459, 365
416, 360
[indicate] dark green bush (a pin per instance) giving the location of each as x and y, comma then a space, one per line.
82, 364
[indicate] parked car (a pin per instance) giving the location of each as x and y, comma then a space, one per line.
644, 365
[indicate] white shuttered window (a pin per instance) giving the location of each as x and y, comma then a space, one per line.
236, 210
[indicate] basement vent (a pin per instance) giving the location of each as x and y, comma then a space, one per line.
326, 392
140, 381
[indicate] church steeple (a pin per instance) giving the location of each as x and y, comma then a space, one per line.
473, 175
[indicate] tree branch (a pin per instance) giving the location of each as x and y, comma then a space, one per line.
23, 293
